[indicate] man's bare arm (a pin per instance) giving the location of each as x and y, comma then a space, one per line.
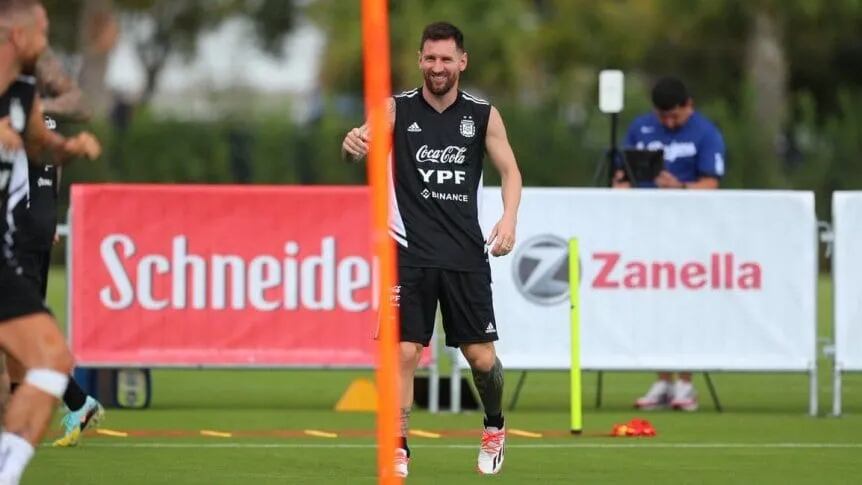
355, 145
61, 96
503, 158
666, 180
9, 138
703, 183
46, 146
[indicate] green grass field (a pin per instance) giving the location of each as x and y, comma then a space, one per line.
764, 435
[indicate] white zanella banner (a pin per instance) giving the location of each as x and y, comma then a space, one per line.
719, 280
847, 278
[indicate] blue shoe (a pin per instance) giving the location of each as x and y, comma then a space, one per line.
76, 422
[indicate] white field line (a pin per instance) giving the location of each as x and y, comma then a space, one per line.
597, 446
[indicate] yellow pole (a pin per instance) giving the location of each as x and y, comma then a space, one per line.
575, 320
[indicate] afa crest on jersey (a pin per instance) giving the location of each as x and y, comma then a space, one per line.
468, 128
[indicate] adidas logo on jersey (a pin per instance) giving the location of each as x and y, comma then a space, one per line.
414, 128
490, 328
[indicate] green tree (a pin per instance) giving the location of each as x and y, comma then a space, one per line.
169, 27
499, 36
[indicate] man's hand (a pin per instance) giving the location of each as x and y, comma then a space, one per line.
9, 138
83, 145
666, 180
356, 143
619, 181
502, 236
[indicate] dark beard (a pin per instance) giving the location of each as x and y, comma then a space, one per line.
447, 86
28, 67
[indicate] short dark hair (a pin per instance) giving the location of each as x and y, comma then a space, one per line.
669, 93
442, 31
8, 7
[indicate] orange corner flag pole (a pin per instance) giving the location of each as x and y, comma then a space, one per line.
375, 41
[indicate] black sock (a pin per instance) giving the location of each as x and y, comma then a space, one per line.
494, 421
490, 387
74, 397
404, 446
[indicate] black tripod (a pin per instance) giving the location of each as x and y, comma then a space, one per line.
604, 176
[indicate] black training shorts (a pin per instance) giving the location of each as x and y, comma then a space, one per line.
465, 304
36, 265
18, 297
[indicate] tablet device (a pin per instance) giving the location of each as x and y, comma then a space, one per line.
645, 164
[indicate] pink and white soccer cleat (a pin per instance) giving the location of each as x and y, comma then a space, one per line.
401, 462
491, 452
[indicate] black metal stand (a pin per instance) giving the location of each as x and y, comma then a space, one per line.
604, 176
712, 392
599, 389
518, 387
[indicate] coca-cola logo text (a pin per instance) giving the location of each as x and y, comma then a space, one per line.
450, 154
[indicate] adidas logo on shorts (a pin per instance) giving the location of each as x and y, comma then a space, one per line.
414, 128
490, 328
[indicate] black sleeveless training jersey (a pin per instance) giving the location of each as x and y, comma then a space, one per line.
36, 221
15, 103
438, 181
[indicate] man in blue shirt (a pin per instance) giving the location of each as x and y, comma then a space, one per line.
693, 146
694, 159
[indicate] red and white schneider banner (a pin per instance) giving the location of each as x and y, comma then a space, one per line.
701, 280
222, 276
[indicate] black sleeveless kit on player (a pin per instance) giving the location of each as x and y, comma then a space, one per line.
36, 223
435, 219
17, 296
